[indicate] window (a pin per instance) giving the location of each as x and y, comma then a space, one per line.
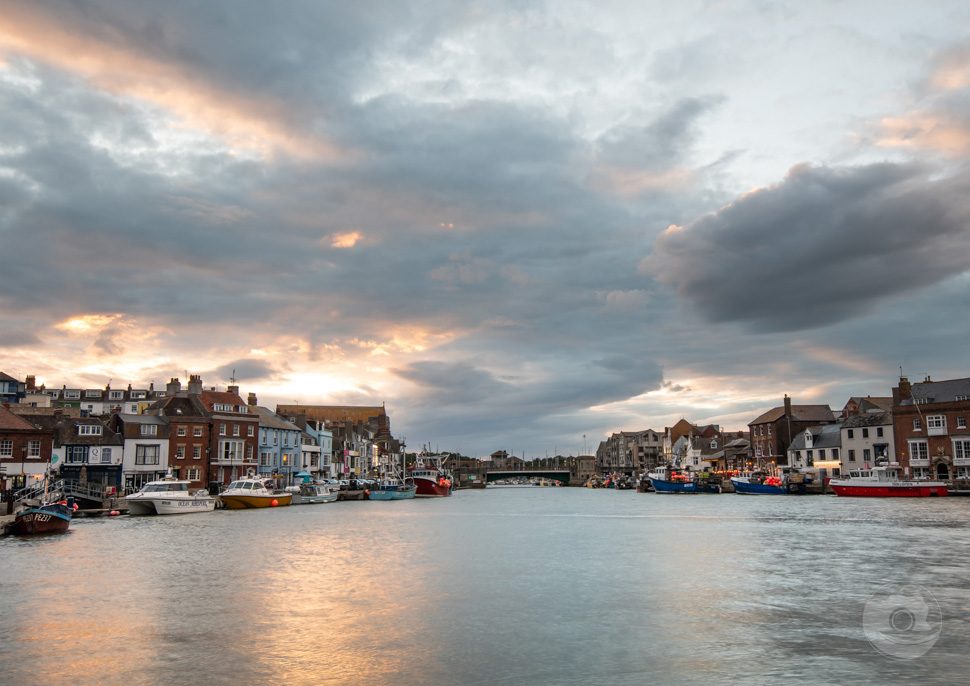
852, 456
252, 430
865, 433
835, 453
878, 432
134, 409
180, 431
919, 450
92, 394
276, 437
249, 452
235, 429
77, 453
961, 450
72, 394
866, 454
33, 449
196, 452
936, 421
769, 429
146, 454
6, 448
917, 424
180, 452
222, 429
149, 429
266, 459
230, 450
849, 433
115, 395
961, 398
961, 422
89, 429
105, 455
263, 434
194, 474
821, 454
197, 431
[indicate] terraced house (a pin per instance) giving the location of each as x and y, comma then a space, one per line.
930, 428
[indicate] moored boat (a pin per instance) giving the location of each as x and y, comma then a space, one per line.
761, 483
885, 482
169, 496
430, 478
315, 493
252, 493
46, 518
675, 480
393, 489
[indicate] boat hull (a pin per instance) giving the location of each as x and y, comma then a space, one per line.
426, 488
42, 520
249, 502
747, 488
661, 486
393, 493
889, 490
169, 506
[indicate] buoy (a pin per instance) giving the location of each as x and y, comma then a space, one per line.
114, 513
274, 502
366, 492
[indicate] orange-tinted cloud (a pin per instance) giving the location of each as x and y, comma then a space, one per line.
113, 64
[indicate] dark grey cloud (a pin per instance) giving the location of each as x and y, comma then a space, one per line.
14, 338
824, 245
245, 371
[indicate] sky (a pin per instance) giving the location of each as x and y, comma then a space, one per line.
518, 225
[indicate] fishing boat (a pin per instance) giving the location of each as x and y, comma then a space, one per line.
393, 489
315, 493
169, 496
244, 494
45, 518
762, 483
430, 478
668, 479
885, 482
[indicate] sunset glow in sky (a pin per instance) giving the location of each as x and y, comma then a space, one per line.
514, 223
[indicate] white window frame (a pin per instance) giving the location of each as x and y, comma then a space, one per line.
149, 430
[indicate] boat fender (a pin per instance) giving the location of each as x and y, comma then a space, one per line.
274, 502
114, 513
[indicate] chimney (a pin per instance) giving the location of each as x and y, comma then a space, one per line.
787, 406
31, 382
232, 389
903, 391
252, 399
173, 387
195, 384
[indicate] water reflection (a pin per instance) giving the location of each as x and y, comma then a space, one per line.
543, 586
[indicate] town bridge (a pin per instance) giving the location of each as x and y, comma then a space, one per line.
554, 474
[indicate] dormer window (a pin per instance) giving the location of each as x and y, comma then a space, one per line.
92, 394
149, 429
116, 395
89, 429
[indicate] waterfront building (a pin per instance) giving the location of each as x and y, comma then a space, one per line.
84, 448
771, 433
145, 453
280, 446
25, 450
930, 432
818, 450
632, 452
234, 433
867, 440
189, 431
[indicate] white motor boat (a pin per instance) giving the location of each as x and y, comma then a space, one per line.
169, 496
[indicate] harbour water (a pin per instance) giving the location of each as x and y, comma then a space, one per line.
497, 586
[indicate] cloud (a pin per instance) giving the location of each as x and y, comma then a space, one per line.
824, 245
245, 370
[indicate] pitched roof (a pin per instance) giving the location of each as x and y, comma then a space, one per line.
269, 419
870, 419
6, 377
11, 422
939, 391
332, 413
825, 436
799, 413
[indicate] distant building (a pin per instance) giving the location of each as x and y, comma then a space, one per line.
771, 434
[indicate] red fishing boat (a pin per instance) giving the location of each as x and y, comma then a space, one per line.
432, 480
885, 482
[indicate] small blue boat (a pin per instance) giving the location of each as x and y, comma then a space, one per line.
391, 490
675, 480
